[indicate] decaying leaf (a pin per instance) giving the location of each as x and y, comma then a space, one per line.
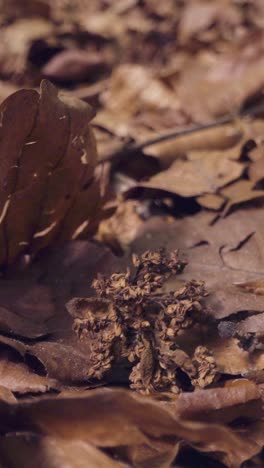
198, 177
216, 139
73, 65
209, 87
45, 180
136, 423
256, 287
17, 40
239, 397
52, 452
120, 229
17, 377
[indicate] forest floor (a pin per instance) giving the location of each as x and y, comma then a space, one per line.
131, 233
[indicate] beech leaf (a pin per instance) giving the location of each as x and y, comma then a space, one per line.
47, 162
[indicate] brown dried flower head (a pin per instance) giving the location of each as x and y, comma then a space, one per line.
134, 324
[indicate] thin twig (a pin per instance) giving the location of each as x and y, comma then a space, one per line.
132, 148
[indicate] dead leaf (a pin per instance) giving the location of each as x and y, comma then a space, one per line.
46, 181
6, 395
120, 229
211, 201
197, 17
25, 9
191, 178
51, 452
208, 87
255, 287
18, 378
256, 170
216, 139
14, 324
68, 363
219, 404
73, 65
17, 39
128, 420
239, 194
221, 254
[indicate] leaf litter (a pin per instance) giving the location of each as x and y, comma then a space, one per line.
131, 291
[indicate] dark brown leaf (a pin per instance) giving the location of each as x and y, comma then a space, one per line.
43, 178
128, 420
51, 452
18, 378
73, 65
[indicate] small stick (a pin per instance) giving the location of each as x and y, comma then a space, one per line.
132, 148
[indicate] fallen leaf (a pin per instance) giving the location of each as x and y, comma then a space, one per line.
216, 139
6, 395
239, 194
68, 363
191, 178
73, 65
256, 170
255, 287
29, 8
18, 378
221, 254
17, 38
211, 201
51, 452
46, 181
208, 88
198, 16
128, 420
14, 324
219, 404
120, 229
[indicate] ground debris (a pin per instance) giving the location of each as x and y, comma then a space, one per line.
133, 320
177, 89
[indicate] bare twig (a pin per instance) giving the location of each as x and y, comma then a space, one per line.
128, 149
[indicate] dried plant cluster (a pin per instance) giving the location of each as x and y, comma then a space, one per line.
133, 323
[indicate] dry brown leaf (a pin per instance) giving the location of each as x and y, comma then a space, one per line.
120, 229
216, 139
256, 169
256, 287
6, 395
44, 183
128, 420
133, 86
27, 8
192, 178
209, 87
222, 254
34, 308
51, 452
18, 325
240, 194
68, 363
220, 404
211, 201
17, 38
197, 17
18, 378
73, 65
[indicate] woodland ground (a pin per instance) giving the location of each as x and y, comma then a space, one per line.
131, 233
